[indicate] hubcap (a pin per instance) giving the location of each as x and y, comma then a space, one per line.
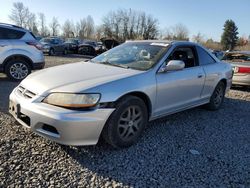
19, 71
130, 122
52, 52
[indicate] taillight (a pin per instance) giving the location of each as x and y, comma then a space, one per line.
243, 70
35, 44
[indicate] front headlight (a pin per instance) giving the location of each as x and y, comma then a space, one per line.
71, 100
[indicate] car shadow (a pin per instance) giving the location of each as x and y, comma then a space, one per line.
241, 88
6, 87
163, 152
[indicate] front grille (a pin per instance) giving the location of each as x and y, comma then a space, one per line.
25, 92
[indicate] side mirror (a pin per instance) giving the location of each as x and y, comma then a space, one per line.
175, 65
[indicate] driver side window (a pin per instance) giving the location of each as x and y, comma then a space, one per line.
185, 54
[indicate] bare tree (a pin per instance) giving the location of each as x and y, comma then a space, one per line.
90, 29
19, 14
42, 22
54, 25
129, 24
99, 32
32, 23
177, 32
22, 17
82, 28
85, 29
180, 32
68, 29
167, 34
77, 29
199, 38
151, 30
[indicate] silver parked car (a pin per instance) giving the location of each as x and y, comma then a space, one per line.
20, 52
119, 91
240, 62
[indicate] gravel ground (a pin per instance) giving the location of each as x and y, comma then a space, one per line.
195, 148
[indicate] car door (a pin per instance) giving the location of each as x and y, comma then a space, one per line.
56, 45
212, 71
61, 45
180, 89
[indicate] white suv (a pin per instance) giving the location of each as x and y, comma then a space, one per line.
20, 52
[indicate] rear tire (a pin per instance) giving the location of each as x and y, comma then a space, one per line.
51, 52
17, 69
126, 123
217, 97
65, 52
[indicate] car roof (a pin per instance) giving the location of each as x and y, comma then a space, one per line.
239, 52
11, 26
164, 41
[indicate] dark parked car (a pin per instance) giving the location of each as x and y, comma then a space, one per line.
94, 48
109, 43
87, 49
218, 54
53, 45
38, 38
72, 44
98, 46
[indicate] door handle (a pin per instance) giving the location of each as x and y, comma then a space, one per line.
2, 45
200, 75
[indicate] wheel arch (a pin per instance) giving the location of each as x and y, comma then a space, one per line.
224, 81
143, 96
18, 56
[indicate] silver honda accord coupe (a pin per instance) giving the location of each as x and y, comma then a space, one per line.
118, 92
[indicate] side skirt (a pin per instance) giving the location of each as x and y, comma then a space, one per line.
201, 102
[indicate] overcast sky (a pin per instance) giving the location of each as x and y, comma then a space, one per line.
206, 16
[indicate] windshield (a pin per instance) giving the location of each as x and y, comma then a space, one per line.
90, 43
134, 55
75, 41
47, 40
240, 57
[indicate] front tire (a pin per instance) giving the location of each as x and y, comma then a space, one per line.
17, 69
217, 97
65, 51
51, 51
126, 123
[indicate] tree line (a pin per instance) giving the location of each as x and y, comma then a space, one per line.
122, 24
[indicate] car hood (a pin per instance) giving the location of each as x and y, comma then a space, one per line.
45, 43
70, 43
76, 77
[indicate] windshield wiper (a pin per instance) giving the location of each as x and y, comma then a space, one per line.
113, 64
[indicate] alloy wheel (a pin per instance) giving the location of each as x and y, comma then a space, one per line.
129, 123
218, 97
19, 71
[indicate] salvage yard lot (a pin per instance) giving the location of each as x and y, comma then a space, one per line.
193, 148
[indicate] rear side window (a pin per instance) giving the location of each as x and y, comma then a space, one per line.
204, 57
10, 34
